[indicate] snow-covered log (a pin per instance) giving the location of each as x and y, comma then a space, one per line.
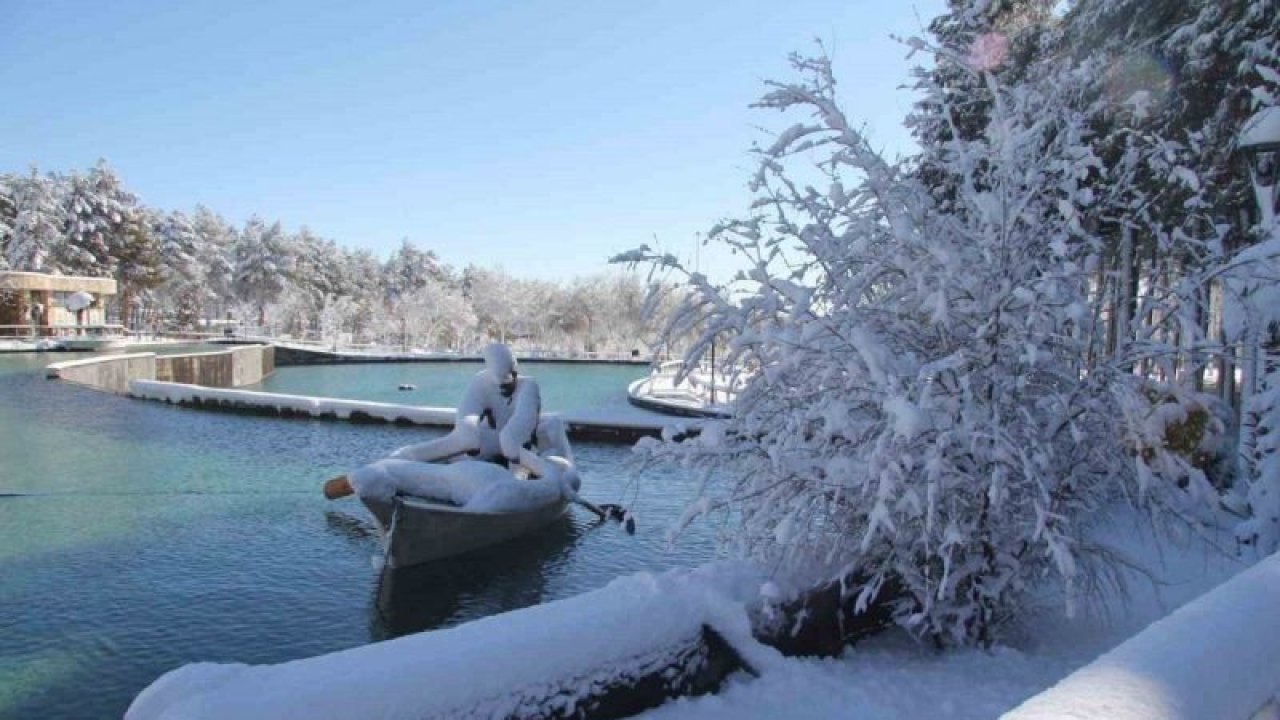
1216, 657
610, 653
827, 619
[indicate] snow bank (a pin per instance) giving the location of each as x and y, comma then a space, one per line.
1217, 657
624, 423
298, 404
507, 665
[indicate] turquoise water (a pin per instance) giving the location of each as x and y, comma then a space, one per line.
137, 536
565, 386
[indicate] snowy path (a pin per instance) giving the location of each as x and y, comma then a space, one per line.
891, 677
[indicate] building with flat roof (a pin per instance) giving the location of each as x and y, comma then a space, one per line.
40, 305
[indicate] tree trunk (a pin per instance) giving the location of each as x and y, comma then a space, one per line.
1128, 290
126, 304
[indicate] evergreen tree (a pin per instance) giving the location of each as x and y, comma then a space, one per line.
8, 216
138, 264
410, 269
99, 215
263, 263
37, 225
178, 249
215, 241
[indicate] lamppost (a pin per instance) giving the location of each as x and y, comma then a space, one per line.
1259, 142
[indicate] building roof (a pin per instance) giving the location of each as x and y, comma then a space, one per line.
56, 283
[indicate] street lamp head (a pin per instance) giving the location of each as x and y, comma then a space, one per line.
1260, 143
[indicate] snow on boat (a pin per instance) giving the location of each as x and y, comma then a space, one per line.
695, 395
428, 511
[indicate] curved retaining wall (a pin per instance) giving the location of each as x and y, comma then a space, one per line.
236, 367
111, 373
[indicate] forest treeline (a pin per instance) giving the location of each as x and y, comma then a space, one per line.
190, 271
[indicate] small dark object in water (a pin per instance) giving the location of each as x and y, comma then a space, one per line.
408, 386
617, 512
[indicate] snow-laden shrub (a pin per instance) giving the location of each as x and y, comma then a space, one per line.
1261, 527
925, 406
1181, 435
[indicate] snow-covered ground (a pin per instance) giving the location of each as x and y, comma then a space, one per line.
892, 677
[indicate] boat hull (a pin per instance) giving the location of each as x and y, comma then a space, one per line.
416, 530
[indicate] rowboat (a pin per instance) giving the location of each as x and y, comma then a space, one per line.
428, 511
416, 530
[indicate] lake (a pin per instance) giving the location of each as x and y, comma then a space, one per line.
137, 536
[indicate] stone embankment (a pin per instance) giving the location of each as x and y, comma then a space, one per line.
231, 368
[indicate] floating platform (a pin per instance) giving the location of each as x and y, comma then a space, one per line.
626, 424
289, 354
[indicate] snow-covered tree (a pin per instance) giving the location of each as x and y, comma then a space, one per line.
8, 215
215, 241
926, 410
502, 303
179, 251
99, 217
410, 269
137, 262
435, 316
263, 263
364, 271
37, 223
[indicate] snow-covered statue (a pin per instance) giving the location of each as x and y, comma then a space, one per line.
496, 420
497, 432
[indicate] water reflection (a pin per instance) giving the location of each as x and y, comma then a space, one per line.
504, 577
349, 526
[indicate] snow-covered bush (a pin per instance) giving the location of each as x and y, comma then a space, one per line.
927, 408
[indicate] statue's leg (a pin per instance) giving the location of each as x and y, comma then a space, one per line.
463, 439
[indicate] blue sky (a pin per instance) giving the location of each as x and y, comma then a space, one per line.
542, 136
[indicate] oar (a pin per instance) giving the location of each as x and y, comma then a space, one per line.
608, 511
338, 487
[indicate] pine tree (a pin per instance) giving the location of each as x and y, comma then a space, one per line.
8, 215
37, 225
215, 241
138, 264
263, 262
99, 214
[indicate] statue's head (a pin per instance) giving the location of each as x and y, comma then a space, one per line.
501, 364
